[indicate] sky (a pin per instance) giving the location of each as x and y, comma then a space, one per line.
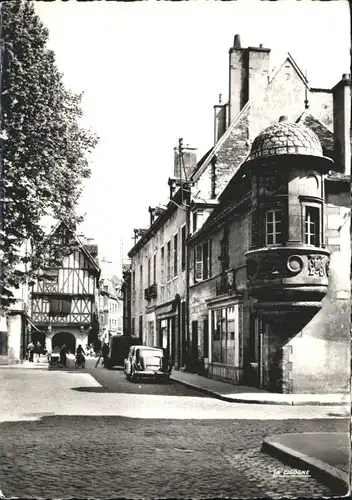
151, 73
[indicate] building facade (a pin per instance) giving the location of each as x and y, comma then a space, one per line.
63, 300
158, 269
110, 307
267, 237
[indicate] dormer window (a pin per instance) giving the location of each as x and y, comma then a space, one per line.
273, 227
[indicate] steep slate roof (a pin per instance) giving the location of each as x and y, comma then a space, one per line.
225, 138
325, 136
81, 246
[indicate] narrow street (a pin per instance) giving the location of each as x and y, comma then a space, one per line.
91, 433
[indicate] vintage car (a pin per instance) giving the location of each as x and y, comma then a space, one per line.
143, 361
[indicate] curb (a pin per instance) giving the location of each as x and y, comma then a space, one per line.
326, 474
230, 399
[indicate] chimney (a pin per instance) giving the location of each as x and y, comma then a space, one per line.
248, 76
185, 162
283, 118
220, 121
258, 72
237, 91
152, 214
342, 121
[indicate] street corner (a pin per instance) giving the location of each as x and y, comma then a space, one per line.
322, 455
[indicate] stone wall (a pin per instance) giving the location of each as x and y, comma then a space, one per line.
318, 358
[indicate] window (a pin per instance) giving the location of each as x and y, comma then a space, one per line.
154, 268
140, 325
148, 272
133, 281
168, 261
60, 307
273, 226
140, 280
133, 326
175, 254
311, 228
183, 248
202, 261
162, 264
224, 251
226, 335
194, 222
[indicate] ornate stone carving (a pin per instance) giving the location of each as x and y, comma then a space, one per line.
317, 265
295, 264
275, 182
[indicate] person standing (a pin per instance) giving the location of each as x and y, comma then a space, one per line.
63, 355
105, 352
30, 350
38, 350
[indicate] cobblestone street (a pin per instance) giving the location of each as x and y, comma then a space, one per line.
82, 436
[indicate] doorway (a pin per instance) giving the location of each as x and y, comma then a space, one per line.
67, 338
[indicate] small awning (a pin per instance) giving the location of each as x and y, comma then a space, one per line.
30, 321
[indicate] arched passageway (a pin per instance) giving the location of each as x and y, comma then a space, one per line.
67, 338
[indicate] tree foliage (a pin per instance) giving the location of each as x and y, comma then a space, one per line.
44, 147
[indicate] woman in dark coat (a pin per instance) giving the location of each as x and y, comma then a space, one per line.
63, 355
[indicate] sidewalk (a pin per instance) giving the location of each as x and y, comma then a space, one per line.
325, 456
242, 394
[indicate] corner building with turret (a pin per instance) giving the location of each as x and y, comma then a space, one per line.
267, 234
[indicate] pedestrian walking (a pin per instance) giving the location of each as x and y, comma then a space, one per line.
38, 350
63, 355
30, 351
105, 352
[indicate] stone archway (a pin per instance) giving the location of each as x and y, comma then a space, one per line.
67, 338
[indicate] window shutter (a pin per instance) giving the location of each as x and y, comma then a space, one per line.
198, 263
66, 306
209, 260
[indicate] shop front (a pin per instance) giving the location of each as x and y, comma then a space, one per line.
226, 340
167, 326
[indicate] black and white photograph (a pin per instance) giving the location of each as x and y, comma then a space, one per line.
175, 249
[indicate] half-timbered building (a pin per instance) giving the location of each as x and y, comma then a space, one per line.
63, 299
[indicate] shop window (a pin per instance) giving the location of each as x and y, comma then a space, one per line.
225, 336
311, 228
273, 227
202, 261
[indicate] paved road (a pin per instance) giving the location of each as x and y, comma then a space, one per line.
109, 438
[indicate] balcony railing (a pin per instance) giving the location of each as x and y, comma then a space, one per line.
151, 292
226, 283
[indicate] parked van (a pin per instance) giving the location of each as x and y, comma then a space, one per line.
119, 347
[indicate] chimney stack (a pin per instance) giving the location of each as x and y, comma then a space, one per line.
342, 121
185, 161
283, 118
248, 76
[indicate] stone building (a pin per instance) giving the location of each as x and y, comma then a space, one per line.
158, 269
273, 307
110, 305
291, 205
63, 300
